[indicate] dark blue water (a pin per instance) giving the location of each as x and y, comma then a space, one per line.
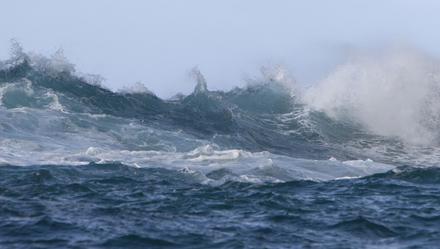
115, 206
255, 167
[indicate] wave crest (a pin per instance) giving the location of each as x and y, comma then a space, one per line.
395, 94
48, 111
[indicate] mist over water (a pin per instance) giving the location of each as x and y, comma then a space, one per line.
392, 94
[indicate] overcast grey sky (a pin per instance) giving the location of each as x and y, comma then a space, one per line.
158, 42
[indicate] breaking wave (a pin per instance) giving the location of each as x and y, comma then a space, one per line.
395, 95
367, 117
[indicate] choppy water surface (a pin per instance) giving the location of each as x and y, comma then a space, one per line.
264, 166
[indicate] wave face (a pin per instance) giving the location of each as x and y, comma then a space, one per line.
368, 125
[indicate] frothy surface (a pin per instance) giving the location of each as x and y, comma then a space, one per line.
353, 157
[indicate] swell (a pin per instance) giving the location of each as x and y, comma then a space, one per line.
47, 107
206, 111
246, 116
182, 172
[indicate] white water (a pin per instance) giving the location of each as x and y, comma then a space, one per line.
395, 94
35, 137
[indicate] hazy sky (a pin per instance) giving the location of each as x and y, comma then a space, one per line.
158, 42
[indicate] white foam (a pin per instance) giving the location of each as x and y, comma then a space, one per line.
201, 85
43, 136
137, 87
246, 166
239, 165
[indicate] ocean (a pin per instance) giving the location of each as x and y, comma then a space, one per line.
268, 165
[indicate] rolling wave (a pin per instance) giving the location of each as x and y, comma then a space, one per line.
267, 131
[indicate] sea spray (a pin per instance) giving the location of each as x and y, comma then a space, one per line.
395, 94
